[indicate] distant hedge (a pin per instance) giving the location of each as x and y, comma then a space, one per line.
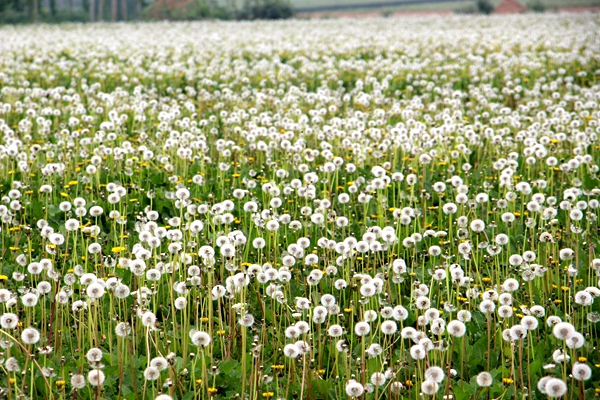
266, 9
22, 11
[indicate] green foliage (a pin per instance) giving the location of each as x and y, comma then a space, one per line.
469, 9
485, 7
11, 16
15, 13
266, 9
66, 16
221, 13
200, 9
189, 11
537, 6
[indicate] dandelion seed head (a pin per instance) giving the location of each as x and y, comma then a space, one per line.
95, 377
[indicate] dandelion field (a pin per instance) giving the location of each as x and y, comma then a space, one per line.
388, 208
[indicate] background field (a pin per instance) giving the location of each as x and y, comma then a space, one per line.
429, 4
52, 11
422, 5
370, 5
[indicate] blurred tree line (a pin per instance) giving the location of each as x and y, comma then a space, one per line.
53, 11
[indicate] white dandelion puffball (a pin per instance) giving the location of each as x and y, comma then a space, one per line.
354, 389
555, 388
484, 379
96, 377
